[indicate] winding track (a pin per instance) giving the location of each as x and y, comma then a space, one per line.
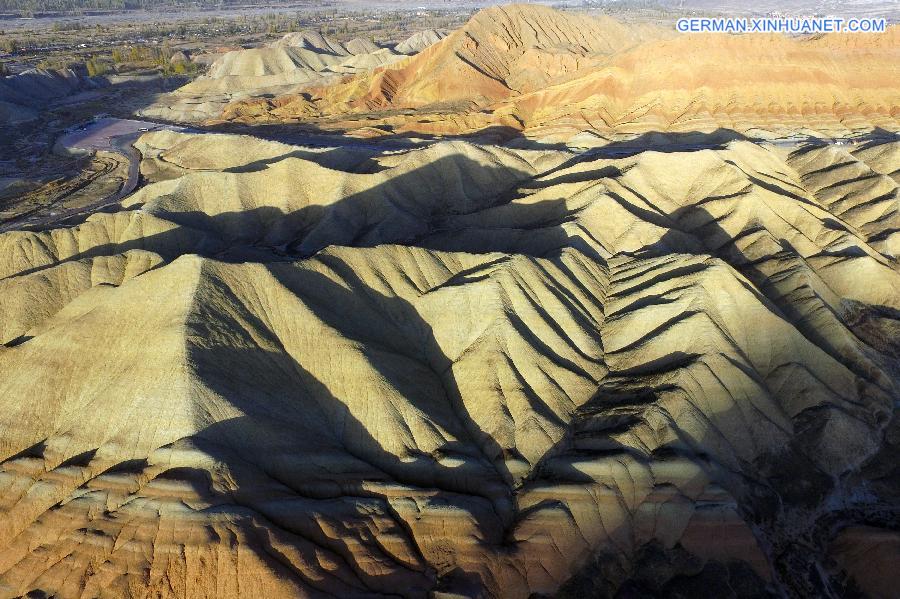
111, 135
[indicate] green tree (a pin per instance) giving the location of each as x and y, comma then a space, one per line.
96, 67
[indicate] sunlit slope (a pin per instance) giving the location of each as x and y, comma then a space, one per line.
552, 75
288, 65
462, 369
501, 51
749, 83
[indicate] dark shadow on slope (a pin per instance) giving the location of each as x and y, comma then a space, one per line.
296, 434
789, 486
278, 395
784, 498
298, 437
296, 467
357, 160
698, 223
668, 142
625, 404
660, 572
401, 347
877, 137
660, 141
365, 151
790, 481
434, 206
308, 134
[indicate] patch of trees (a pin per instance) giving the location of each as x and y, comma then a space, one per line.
159, 57
9, 45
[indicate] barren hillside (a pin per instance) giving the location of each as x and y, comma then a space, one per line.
460, 369
553, 75
560, 307
293, 63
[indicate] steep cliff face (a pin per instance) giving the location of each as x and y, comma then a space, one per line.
460, 369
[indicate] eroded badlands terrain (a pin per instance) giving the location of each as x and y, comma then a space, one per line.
459, 369
552, 75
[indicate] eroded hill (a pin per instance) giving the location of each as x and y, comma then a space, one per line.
552, 75
460, 369
287, 66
